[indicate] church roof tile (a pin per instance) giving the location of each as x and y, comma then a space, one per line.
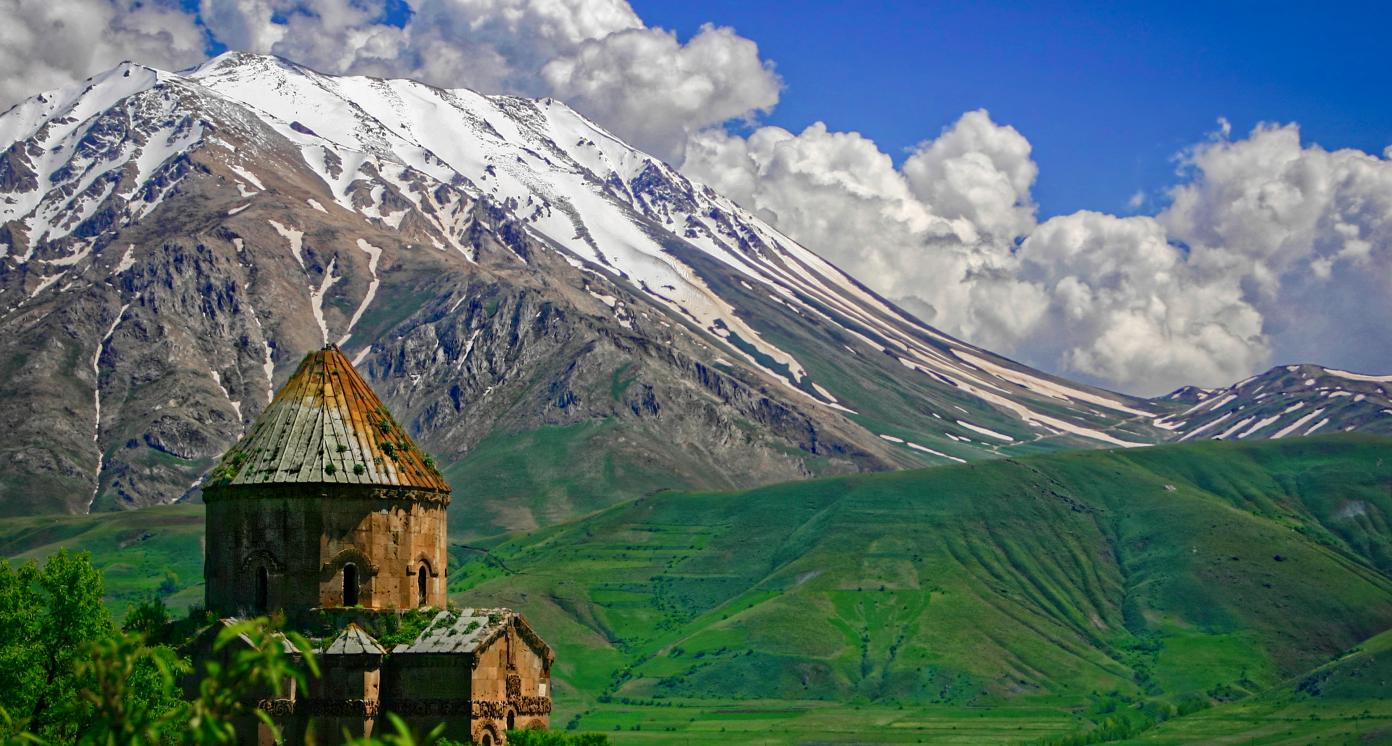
326, 426
354, 641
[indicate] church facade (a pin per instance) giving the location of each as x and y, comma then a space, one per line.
326, 510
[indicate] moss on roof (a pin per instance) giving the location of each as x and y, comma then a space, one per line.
327, 426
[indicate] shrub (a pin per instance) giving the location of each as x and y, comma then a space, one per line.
536, 737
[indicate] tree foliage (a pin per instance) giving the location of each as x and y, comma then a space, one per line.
71, 676
48, 619
402, 735
129, 692
251, 661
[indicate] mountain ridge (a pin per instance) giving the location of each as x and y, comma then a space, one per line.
1284, 401
498, 266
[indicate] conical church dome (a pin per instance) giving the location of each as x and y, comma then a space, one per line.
326, 426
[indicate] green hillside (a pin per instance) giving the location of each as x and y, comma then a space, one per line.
1247, 586
1178, 575
1343, 701
140, 552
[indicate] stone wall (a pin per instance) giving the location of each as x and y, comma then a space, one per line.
303, 538
428, 689
512, 683
345, 697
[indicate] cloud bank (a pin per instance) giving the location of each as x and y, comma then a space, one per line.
597, 55
46, 44
1269, 250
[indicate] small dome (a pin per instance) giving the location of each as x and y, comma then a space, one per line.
326, 426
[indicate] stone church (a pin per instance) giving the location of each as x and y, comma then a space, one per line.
327, 512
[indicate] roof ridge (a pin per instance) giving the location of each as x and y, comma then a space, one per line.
354, 640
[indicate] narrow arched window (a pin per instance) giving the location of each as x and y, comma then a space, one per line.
421, 584
263, 590
350, 584
512, 720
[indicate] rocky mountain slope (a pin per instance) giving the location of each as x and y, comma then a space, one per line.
516, 283
1286, 401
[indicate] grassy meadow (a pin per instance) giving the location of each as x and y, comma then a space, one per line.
1210, 592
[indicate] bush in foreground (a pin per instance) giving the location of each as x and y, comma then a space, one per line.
70, 675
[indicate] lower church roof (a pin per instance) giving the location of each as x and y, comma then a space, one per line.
354, 641
450, 632
462, 631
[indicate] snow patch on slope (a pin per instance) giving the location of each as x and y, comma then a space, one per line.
374, 255
316, 298
96, 401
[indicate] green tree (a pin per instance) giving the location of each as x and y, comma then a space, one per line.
130, 692
47, 619
149, 617
71, 677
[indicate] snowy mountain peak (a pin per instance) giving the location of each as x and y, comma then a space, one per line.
1287, 400
575, 184
275, 208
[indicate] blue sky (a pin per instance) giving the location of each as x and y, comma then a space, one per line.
1107, 93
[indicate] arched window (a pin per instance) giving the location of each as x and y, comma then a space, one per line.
422, 581
263, 590
350, 584
512, 720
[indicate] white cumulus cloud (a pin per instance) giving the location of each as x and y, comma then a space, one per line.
47, 44
1127, 306
951, 259
663, 90
1308, 234
1270, 250
980, 171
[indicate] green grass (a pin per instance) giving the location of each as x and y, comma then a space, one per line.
1294, 724
140, 552
1020, 600
1158, 574
546, 475
717, 721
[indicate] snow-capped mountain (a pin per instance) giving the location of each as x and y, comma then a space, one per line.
514, 280
1286, 401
